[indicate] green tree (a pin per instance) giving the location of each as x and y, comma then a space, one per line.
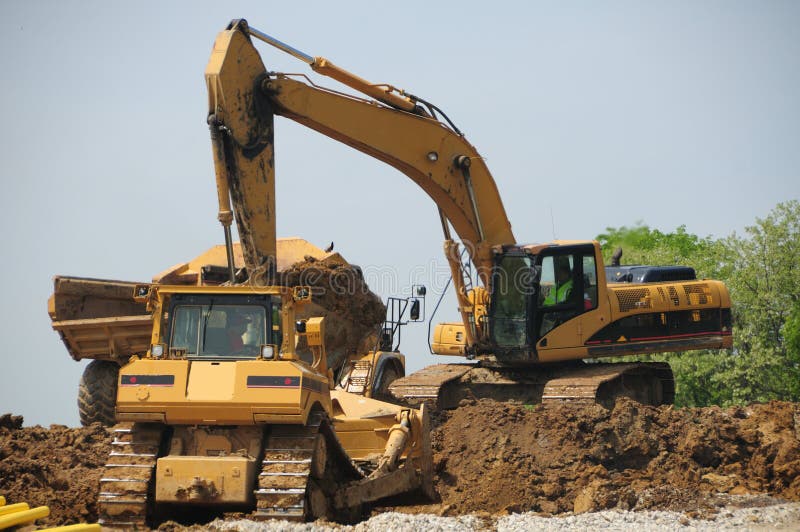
765, 289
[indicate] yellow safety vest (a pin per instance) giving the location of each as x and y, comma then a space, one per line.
559, 295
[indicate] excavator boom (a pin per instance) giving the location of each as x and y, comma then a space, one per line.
437, 158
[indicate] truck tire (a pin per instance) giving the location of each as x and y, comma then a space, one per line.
390, 374
97, 393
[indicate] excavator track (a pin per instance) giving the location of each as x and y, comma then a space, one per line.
649, 383
126, 483
302, 467
444, 386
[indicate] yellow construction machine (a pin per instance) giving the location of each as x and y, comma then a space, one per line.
221, 412
531, 314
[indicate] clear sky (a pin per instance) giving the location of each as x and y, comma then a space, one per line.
589, 114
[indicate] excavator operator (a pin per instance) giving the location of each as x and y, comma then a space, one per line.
563, 287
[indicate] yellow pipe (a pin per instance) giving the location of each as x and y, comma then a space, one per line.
26, 516
79, 527
11, 508
2, 500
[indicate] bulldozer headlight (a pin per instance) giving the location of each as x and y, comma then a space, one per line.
157, 350
268, 352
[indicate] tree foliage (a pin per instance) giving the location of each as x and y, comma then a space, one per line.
762, 272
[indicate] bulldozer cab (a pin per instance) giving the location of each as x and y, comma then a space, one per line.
222, 326
536, 290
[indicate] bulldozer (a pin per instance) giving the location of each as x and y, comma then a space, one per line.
535, 317
222, 412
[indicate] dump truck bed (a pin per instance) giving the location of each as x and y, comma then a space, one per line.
98, 318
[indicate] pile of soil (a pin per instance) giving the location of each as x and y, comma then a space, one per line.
353, 312
501, 457
57, 467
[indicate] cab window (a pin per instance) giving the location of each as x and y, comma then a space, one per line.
219, 330
513, 285
568, 287
589, 282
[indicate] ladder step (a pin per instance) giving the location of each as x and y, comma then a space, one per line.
108, 499
285, 491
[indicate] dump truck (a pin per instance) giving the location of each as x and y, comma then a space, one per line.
531, 314
222, 413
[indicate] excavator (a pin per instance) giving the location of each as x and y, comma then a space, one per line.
534, 317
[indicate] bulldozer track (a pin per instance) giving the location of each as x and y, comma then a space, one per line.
126, 482
302, 467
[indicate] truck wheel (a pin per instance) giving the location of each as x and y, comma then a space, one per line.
381, 391
97, 393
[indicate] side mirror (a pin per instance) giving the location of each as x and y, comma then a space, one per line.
414, 313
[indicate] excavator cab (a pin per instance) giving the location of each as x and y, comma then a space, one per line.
535, 289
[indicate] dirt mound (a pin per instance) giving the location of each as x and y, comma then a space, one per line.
339, 292
499, 457
57, 467
7, 421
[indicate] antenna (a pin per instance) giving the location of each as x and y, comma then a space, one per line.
552, 221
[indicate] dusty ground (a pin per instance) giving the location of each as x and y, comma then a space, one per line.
57, 467
500, 458
552, 459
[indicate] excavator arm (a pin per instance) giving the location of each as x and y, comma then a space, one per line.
394, 129
241, 124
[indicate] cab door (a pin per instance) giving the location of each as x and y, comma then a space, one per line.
567, 295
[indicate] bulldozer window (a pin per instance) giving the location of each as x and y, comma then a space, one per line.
185, 327
277, 333
219, 331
